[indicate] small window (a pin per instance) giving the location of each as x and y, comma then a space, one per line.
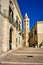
16, 42
35, 32
32, 35
27, 23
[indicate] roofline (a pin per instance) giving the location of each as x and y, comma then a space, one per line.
36, 23
17, 6
39, 21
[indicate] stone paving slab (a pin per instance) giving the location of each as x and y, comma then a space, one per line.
33, 49
15, 58
21, 64
28, 52
19, 57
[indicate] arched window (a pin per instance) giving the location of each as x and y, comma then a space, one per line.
10, 41
35, 32
19, 27
10, 11
10, 38
16, 41
17, 22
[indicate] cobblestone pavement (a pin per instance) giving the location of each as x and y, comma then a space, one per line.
24, 56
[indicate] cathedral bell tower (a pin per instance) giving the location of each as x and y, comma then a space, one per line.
26, 30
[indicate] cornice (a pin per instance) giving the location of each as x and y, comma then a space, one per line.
17, 6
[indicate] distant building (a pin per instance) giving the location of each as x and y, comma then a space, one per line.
36, 35
10, 25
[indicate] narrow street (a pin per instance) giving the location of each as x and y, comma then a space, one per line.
23, 56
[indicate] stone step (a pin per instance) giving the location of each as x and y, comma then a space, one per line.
30, 49
29, 52
19, 63
24, 56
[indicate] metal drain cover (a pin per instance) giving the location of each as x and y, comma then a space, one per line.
29, 56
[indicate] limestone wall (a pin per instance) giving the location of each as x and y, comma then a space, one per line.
5, 27
6, 35
40, 32
1, 31
5, 7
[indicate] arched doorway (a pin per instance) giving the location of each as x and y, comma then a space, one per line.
10, 38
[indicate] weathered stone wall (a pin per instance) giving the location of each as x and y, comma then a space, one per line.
1, 31
40, 32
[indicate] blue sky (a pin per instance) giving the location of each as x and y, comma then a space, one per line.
34, 9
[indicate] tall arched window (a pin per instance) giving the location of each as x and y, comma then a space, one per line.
10, 10
17, 22
19, 27
10, 38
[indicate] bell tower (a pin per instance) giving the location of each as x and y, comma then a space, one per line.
26, 30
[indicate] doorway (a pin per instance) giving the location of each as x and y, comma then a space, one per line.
10, 39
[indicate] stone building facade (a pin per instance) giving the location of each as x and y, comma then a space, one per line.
36, 35
11, 35
10, 25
